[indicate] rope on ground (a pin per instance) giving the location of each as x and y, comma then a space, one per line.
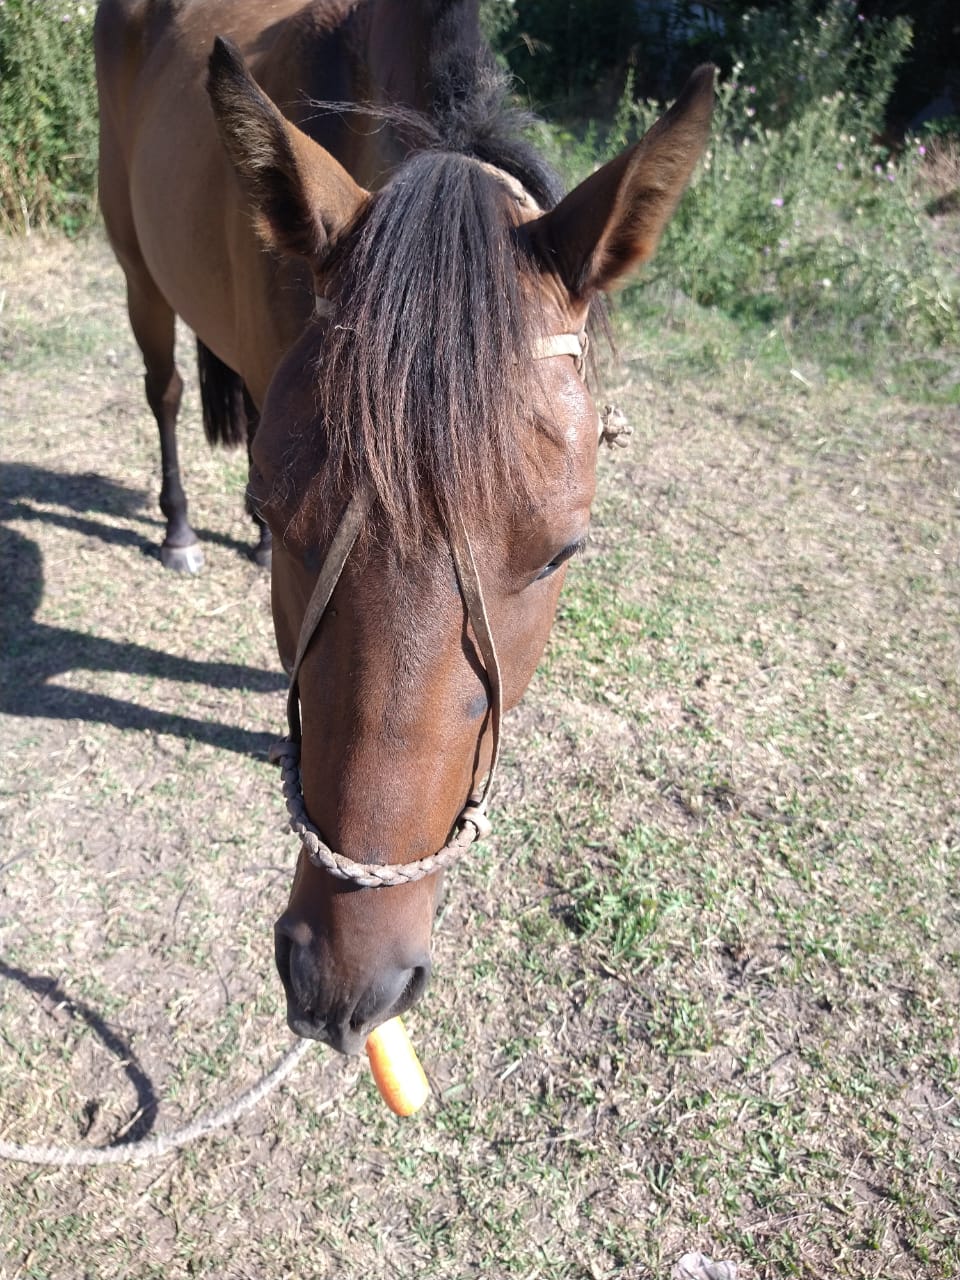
161, 1144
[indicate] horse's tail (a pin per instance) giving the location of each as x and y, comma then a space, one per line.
221, 394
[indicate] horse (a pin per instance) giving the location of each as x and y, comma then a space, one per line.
391, 293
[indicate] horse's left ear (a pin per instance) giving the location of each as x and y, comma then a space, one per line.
301, 196
613, 220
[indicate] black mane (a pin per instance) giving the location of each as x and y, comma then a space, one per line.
472, 112
425, 365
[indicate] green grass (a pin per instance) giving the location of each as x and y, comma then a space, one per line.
667, 335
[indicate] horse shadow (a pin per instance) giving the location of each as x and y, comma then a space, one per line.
54, 997
35, 653
86, 492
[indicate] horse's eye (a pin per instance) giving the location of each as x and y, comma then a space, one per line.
562, 557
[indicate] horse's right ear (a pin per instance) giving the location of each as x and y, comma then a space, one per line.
300, 195
613, 220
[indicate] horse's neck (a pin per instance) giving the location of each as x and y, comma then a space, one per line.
403, 42
377, 51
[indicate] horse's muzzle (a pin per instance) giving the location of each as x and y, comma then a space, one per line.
314, 1013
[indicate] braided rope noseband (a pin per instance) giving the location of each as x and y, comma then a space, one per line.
473, 823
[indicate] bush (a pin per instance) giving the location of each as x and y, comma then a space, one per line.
812, 224
574, 54
798, 219
571, 51
496, 19
48, 114
798, 54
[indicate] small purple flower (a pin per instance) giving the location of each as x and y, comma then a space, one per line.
921, 150
891, 177
751, 88
777, 202
839, 166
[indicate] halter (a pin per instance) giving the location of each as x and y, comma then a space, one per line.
472, 823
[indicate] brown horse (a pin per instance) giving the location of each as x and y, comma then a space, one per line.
426, 445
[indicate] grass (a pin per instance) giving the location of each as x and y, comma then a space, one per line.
703, 991
705, 342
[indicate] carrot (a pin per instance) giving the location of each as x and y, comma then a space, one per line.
396, 1068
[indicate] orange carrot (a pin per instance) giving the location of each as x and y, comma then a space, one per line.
396, 1068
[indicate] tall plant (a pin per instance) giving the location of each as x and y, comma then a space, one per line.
798, 217
48, 114
796, 53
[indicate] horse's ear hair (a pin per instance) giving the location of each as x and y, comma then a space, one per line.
300, 195
613, 220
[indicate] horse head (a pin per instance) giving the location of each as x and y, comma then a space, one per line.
441, 381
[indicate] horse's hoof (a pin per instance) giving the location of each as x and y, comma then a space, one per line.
182, 559
262, 555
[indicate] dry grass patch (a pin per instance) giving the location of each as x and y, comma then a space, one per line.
703, 991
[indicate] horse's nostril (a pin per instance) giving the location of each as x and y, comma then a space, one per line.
321, 1005
416, 985
390, 998
282, 947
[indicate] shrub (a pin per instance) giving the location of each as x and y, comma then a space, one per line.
568, 51
48, 114
798, 218
496, 19
809, 223
798, 54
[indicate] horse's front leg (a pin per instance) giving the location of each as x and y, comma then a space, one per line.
153, 325
262, 553
180, 549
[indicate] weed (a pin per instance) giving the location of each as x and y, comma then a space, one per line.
48, 114
798, 54
801, 236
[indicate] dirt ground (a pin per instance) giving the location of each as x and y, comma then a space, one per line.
703, 992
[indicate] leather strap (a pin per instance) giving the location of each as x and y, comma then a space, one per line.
472, 823
558, 344
472, 592
344, 540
